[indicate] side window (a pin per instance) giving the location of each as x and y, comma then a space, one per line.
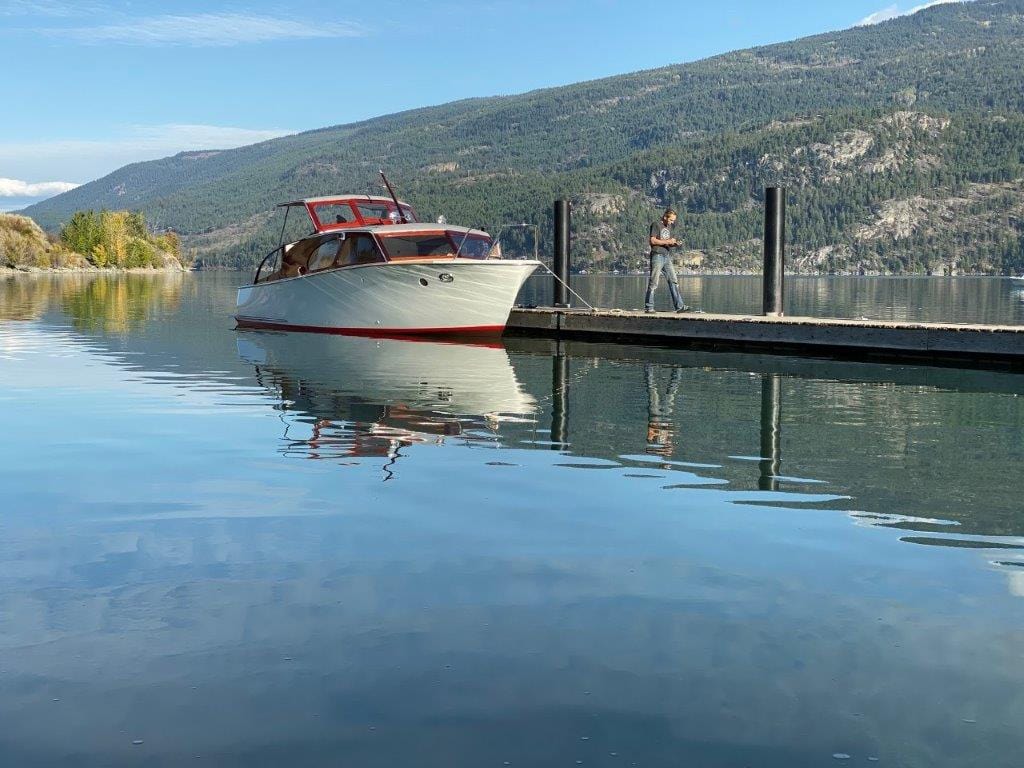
358, 248
365, 250
324, 256
344, 257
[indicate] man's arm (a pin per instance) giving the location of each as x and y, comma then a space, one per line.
659, 241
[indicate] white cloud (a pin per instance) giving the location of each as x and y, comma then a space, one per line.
18, 188
54, 8
205, 30
86, 159
894, 12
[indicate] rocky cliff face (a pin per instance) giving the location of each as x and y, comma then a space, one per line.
870, 193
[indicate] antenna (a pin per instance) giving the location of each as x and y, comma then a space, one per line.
391, 192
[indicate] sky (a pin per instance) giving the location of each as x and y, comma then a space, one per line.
91, 85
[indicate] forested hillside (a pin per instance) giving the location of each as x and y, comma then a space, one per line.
902, 144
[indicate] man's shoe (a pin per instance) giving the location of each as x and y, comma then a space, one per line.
649, 310
683, 308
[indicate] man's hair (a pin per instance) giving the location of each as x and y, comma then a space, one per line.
670, 212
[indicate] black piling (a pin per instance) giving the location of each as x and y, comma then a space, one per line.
771, 431
774, 250
563, 226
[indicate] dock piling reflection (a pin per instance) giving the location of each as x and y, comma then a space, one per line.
771, 431
559, 398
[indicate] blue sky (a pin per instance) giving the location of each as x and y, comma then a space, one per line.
90, 85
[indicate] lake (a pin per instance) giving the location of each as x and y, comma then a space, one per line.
261, 549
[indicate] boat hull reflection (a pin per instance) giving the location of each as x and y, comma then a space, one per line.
370, 397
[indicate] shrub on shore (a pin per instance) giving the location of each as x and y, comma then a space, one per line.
23, 243
105, 239
118, 239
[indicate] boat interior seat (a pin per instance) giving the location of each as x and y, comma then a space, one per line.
286, 270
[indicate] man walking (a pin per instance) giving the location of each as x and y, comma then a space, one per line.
661, 240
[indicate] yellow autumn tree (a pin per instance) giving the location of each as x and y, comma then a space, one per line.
119, 239
115, 237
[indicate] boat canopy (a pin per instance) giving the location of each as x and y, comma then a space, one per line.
333, 213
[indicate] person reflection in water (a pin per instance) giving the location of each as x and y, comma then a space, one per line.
661, 427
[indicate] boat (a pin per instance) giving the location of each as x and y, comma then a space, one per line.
370, 268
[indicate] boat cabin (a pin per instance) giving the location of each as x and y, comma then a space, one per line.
357, 230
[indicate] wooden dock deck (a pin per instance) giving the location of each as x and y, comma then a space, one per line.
855, 339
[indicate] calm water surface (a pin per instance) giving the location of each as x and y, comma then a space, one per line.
265, 549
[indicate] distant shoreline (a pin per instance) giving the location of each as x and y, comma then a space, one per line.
11, 271
92, 270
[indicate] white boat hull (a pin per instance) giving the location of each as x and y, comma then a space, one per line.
446, 296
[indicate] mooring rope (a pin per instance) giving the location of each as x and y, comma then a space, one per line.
568, 287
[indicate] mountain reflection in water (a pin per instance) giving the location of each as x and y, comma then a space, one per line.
284, 549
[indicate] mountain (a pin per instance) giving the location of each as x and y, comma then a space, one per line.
902, 145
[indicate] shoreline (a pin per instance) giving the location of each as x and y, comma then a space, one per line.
181, 269
12, 271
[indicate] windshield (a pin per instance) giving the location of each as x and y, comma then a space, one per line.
332, 214
328, 214
474, 247
380, 210
436, 245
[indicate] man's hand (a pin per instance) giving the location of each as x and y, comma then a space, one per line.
670, 243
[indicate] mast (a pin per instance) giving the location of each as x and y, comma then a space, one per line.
391, 192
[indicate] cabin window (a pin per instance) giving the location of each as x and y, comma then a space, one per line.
332, 214
437, 245
323, 257
474, 247
379, 210
399, 246
358, 248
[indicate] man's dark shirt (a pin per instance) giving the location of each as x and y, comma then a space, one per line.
661, 231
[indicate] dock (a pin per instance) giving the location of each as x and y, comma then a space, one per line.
912, 342
953, 344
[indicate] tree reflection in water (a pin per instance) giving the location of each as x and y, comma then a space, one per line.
110, 303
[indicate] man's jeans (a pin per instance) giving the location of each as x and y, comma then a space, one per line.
662, 262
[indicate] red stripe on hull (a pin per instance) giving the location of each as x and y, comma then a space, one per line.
384, 333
